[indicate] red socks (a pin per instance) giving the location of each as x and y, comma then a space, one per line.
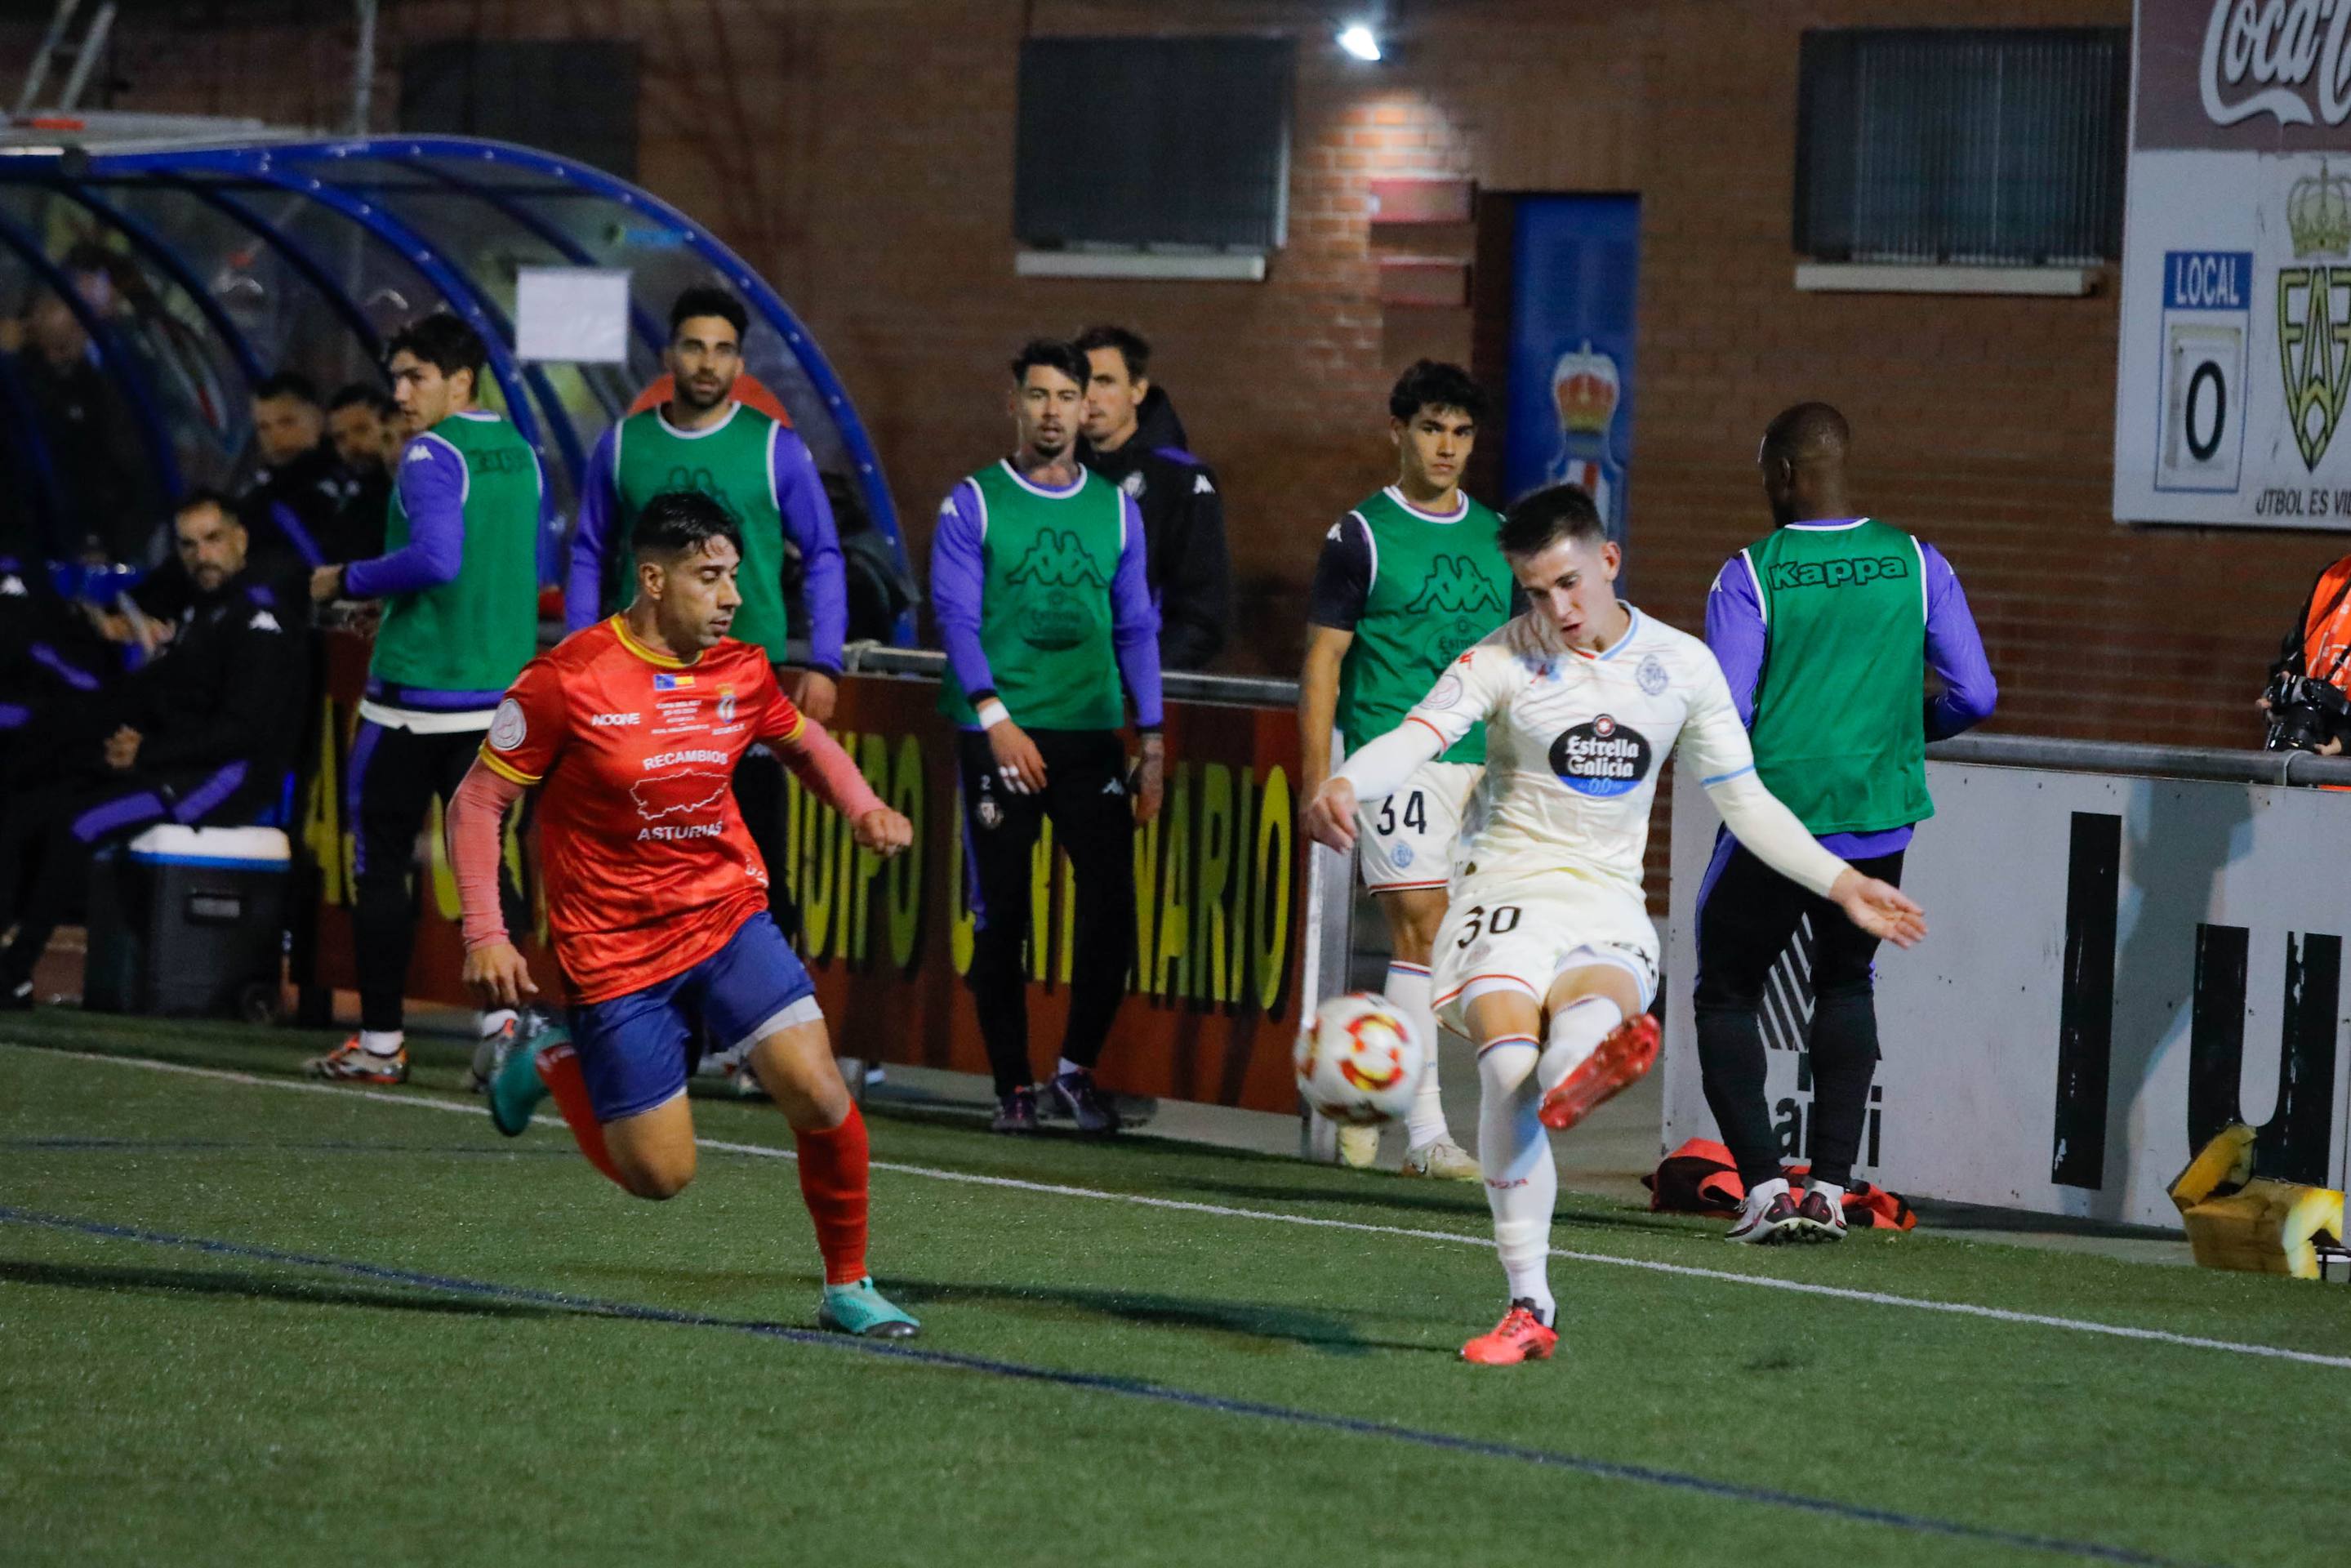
832, 1183
832, 1164
559, 1069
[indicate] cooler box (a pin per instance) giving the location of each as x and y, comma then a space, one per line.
188, 921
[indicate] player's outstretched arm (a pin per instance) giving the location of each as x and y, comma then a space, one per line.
820, 763
1772, 833
1374, 772
495, 971
1879, 908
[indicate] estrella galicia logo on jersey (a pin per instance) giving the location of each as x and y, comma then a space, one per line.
1851, 572
1602, 757
1651, 676
1059, 564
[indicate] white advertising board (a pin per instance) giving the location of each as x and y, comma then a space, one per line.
2234, 360
2116, 968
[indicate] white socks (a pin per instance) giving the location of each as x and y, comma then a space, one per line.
1521, 1182
381, 1041
1408, 987
1576, 1031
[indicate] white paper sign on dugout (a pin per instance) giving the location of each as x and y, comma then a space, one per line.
575, 314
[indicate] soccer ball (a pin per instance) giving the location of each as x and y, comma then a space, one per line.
1360, 1062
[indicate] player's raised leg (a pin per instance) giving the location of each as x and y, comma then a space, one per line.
1599, 1037
1521, 1181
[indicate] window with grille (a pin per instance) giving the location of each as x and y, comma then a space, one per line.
575, 98
1997, 146
1153, 143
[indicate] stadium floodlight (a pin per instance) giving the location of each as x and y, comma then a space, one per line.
1360, 41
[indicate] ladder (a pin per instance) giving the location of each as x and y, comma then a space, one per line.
57, 45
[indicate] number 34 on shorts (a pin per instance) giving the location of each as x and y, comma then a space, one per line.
1407, 840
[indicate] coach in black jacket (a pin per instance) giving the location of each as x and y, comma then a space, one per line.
1133, 440
202, 733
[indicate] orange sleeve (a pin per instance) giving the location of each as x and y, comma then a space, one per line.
527, 732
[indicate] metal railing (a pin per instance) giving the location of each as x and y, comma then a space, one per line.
2220, 764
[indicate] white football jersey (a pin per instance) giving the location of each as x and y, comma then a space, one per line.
1574, 741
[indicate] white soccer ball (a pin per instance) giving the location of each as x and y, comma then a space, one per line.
1360, 1062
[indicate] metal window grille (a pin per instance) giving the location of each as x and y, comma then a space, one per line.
1153, 143
2000, 146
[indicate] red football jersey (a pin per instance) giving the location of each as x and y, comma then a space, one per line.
648, 866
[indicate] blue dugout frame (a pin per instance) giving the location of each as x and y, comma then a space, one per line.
305, 168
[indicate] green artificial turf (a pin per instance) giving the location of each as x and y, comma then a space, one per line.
165, 1404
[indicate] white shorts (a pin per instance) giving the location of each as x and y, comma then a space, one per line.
1407, 840
1521, 930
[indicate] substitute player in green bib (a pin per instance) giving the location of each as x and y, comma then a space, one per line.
1043, 599
459, 588
1406, 582
1825, 630
702, 438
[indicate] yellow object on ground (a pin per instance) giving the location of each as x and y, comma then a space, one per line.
2238, 1220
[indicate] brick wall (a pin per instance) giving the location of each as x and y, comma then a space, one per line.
860, 152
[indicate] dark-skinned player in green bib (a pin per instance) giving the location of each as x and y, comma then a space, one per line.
1039, 586
1407, 581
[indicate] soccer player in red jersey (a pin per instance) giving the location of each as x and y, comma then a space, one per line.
631, 730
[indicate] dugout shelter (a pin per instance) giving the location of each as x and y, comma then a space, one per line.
235, 250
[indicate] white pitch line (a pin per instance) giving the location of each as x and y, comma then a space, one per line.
1839, 1292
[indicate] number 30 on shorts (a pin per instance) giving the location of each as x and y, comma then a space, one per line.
1498, 921
1415, 814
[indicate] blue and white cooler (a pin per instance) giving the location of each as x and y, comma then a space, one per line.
189, 921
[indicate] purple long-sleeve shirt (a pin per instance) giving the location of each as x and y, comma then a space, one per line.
799, 493
960, 568
431, 480
1739, 635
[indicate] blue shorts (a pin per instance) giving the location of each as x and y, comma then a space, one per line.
632, 1048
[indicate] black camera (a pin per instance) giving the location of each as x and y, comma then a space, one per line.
2305, 713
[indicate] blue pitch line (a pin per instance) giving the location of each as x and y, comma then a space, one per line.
1124, 1388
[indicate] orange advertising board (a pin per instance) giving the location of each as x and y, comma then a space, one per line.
1213, 998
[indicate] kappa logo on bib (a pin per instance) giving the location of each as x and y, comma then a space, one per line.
1602, 757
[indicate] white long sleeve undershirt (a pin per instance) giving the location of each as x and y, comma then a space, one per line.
1754, 815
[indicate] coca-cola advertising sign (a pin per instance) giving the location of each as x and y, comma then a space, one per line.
2233, 379
2244, 75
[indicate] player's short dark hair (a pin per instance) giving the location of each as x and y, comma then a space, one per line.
443, 342
1053, 354
206, 495
1535, 523
1433, 383
708, 299
1808, 432
287, 384
678, 523
1131, 346
359, 395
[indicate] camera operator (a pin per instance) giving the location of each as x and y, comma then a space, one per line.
2308, 702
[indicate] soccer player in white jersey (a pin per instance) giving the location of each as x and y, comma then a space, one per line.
1546, 950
